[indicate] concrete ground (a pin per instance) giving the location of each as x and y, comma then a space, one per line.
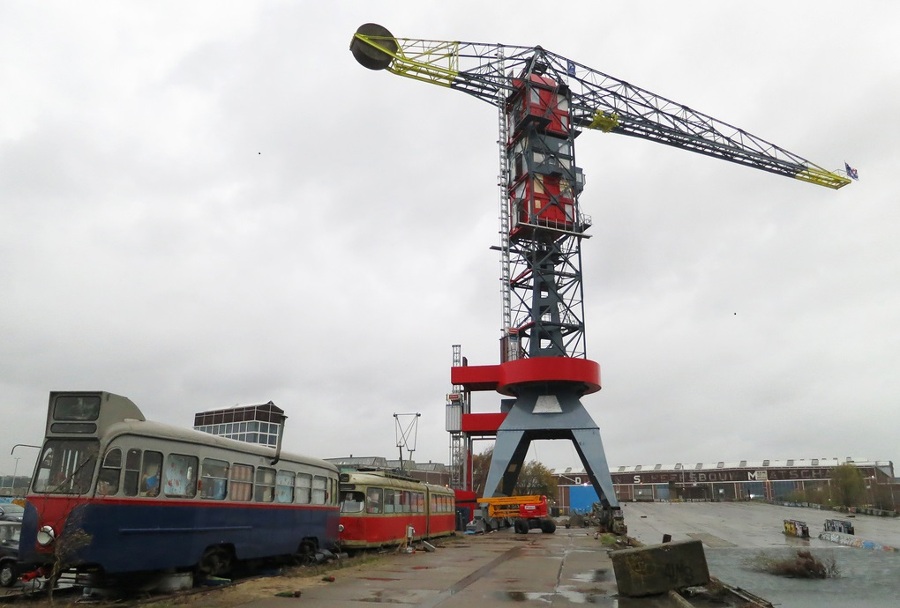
570, 566
496, 569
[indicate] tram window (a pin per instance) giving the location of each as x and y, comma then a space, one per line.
420, 502
150, 468
132, 472
390, 501
66, 466
108, 480
72, 407
214, 479
352, 502
319, 490
284, 487
304, 485
265, 485
241, 482
374, 500
180, 478
405, 499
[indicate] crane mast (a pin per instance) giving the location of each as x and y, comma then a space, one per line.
544, 101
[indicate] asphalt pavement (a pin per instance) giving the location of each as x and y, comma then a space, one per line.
570, 566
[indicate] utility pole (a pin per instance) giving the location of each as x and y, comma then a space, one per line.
406, 435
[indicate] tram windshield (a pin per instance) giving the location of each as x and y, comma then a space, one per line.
352, 502
66, 466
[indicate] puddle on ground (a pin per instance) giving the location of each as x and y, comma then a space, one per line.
568, 593
594, 576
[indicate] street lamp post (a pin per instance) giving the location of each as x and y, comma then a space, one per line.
15, 471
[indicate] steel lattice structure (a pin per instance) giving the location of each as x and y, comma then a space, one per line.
544, 101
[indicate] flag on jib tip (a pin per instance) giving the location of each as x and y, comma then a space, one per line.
851, 171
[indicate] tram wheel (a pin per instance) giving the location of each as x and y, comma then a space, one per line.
216, 561
306, 552
7, 574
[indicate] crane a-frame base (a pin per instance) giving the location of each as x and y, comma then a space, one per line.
547, 404
536, 415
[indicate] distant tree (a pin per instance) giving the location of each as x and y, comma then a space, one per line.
534, 478
481, 464
848, 486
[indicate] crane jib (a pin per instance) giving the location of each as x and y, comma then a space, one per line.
599, 101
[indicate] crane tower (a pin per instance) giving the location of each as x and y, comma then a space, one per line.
545, 101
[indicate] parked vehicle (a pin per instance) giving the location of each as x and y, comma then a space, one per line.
380, 508
9, 552
127, 495
525, 512
11, 512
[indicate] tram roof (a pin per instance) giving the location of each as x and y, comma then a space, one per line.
166, 432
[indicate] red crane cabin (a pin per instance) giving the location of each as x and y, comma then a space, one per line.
540, 99
540, 153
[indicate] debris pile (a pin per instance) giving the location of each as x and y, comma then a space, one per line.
803, 564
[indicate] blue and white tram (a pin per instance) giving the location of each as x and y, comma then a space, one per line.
115, 493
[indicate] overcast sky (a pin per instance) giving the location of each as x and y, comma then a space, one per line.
205, 204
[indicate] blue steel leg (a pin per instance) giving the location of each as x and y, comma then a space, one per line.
554, 414
505, 449
590, 448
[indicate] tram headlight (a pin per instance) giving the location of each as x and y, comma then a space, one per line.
340, 527
46, 536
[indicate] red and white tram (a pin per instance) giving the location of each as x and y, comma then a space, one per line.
378, 508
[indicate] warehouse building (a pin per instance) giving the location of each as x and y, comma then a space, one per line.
744, 480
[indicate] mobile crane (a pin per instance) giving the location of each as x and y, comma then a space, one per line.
544, 101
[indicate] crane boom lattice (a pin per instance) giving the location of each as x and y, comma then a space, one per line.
544, 101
